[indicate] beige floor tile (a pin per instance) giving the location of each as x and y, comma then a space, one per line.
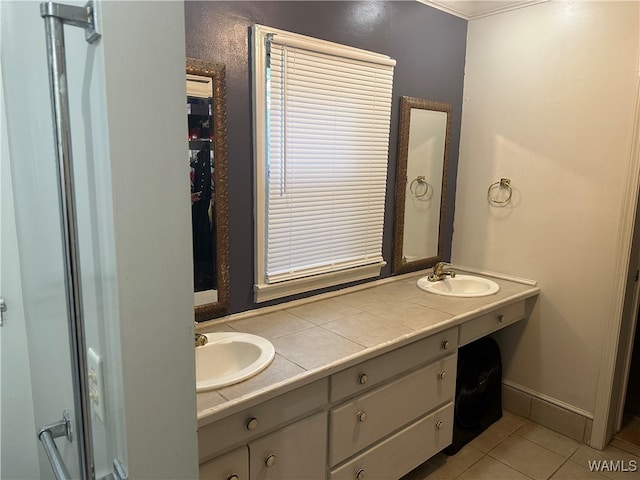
498, 432
527, 457
421, 472
450, 467
574, 471
488, 468
630, 431
548, 439
633, 449
616, 461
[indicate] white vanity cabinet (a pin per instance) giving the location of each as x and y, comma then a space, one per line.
404, 416
271, 440
231, 466
296, 452
492, 321
398, 454
377, 419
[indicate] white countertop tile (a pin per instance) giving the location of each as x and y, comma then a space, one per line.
319, 338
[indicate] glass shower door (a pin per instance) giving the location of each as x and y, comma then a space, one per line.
64, 313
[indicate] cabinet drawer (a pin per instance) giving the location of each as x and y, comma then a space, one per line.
490, 322
372, 372
226, 466
296, 452
402, 452
243, 426
359, 422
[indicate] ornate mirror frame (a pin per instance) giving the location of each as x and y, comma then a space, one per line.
399, 265
219, 113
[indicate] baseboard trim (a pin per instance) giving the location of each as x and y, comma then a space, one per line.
547, 411
548, 399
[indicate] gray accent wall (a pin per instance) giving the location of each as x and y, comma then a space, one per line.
428, 45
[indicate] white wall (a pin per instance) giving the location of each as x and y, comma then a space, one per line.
548, 102
144, 56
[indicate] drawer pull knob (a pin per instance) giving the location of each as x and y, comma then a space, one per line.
270, 461
362, 416
362, 379
233, 477
501, 318
360, 474
442, 374
252, 424
446, 345
439, 425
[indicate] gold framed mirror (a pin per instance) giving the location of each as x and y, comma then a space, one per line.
207, 129
421, 179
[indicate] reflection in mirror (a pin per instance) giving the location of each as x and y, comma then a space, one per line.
207, 157
423, 150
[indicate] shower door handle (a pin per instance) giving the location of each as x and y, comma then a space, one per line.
3, 308
46, 435
56, 16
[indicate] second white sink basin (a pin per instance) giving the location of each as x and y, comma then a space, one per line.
460, 286
231, 357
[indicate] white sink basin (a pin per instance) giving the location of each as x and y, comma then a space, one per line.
231, 357
460, 286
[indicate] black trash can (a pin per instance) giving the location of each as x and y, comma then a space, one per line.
478, 401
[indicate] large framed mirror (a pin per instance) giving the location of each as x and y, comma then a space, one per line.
207, 170
421, 178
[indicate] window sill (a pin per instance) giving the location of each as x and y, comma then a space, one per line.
265, 292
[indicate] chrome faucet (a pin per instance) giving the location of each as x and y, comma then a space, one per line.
439, 272
201, 340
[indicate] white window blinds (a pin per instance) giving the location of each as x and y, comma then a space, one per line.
327, 117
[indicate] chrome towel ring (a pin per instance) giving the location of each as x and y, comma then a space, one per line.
494, 188
420, 188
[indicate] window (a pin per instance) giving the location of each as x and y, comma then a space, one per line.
321, 132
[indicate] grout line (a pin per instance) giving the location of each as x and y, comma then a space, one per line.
559, 467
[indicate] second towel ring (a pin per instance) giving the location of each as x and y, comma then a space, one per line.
419, 188
503, 184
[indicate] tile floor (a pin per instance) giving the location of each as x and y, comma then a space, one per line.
515, 448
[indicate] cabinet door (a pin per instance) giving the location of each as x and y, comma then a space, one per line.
297, 452
403, 451
365, 419
231, 466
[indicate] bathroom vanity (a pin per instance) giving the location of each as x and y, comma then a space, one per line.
377, 412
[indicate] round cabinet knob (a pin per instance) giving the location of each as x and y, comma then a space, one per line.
501, 318
442, 374
360, 474
233, 477
270, 461
446, 345
252, 424
362, 379
362, 416
439, 425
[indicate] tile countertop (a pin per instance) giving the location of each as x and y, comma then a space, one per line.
317, 337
